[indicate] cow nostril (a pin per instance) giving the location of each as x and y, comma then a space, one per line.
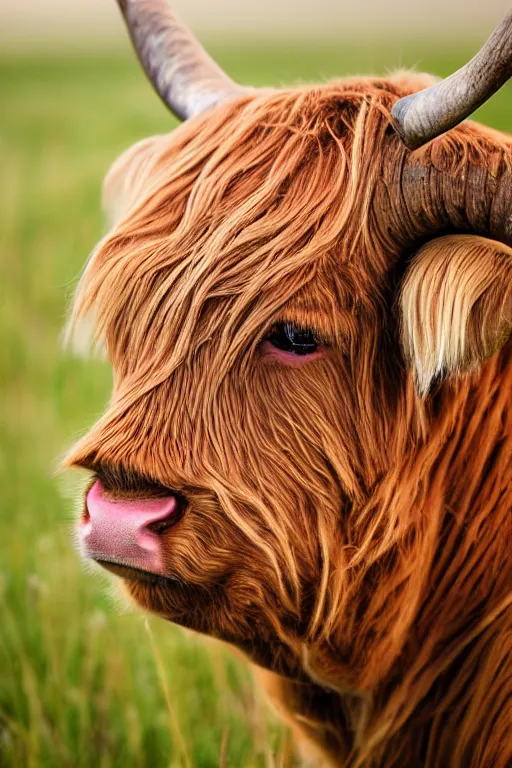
159, 527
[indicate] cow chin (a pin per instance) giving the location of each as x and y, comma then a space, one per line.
168, 598
205, 611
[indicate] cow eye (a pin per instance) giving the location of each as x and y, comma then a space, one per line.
291, 338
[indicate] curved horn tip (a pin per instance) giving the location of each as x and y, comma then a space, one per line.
421, 117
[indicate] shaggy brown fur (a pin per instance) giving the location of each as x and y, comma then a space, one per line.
348, 521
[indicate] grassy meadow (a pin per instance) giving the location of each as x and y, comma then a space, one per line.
84, 680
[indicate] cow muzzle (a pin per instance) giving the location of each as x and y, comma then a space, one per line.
126, 534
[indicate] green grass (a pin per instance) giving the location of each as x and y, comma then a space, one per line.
84, 682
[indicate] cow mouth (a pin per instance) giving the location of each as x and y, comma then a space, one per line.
128, 535
129, 573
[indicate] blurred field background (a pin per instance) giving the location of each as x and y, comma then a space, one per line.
83, 680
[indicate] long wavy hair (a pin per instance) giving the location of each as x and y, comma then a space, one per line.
348, 520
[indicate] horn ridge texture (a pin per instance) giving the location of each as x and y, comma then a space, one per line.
183, 74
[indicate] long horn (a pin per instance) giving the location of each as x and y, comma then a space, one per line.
424, 115
183, 74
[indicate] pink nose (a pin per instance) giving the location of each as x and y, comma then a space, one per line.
120, 531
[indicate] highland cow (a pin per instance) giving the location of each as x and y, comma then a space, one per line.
308, 451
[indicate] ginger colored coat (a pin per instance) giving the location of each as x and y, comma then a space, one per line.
345, 521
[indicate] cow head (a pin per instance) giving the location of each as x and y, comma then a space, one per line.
287, 297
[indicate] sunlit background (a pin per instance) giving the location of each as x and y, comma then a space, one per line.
83, 680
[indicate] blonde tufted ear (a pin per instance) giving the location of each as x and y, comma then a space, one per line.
122, 190
456, 305
127, 174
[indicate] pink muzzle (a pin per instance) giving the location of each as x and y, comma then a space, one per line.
120, 531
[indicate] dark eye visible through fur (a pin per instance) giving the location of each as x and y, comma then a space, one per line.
290, 338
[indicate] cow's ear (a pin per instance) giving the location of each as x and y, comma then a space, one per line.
455, 306
124, 180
